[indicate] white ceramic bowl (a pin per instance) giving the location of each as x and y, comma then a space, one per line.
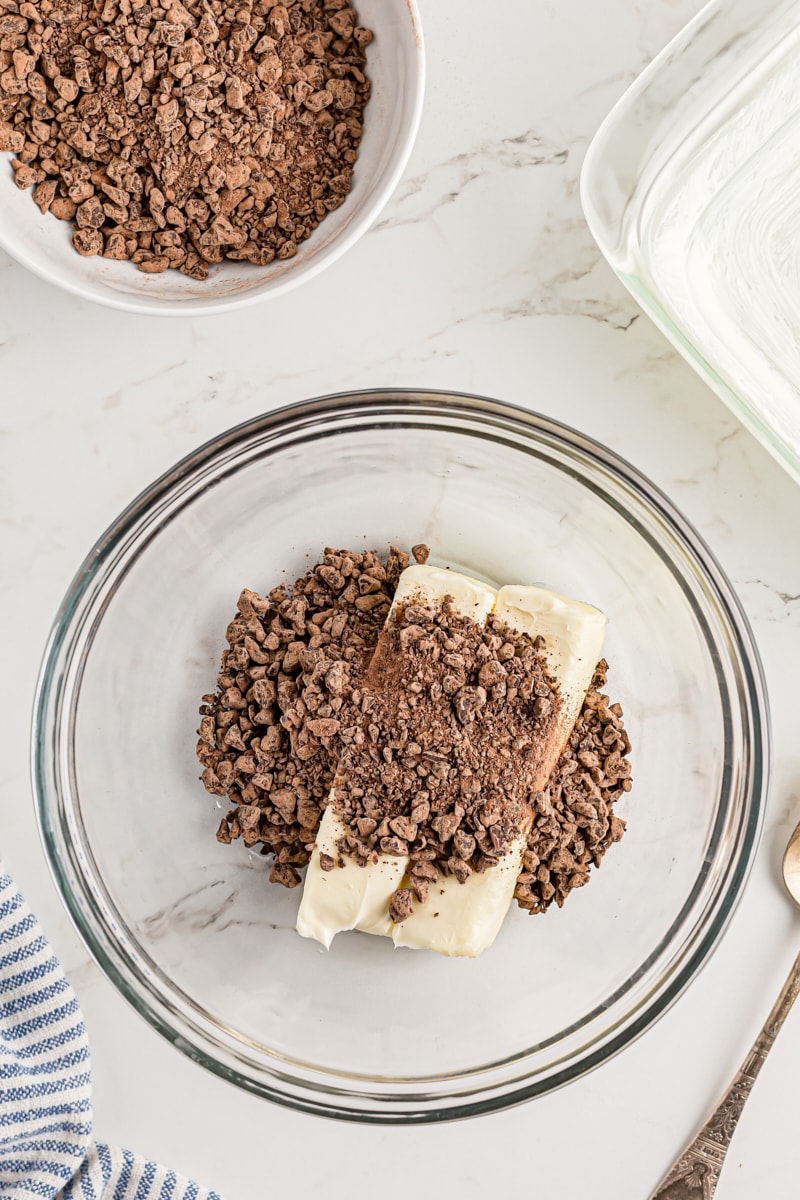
396, 67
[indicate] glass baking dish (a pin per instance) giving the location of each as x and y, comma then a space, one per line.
691, 188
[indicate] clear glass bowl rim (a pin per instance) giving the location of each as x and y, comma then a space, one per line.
52, 767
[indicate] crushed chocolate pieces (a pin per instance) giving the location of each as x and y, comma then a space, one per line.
270, 733
284, 874
575, 824
177, 134
302, 693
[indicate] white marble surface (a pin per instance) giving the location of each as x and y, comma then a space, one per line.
481, 276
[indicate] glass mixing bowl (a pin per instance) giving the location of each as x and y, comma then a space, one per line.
191, 932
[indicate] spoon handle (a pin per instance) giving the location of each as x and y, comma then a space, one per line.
696, 1173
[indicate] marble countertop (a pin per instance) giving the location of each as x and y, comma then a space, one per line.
480, 276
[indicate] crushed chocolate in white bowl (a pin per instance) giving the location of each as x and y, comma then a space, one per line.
177, 158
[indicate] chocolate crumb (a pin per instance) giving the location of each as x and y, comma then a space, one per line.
576, 823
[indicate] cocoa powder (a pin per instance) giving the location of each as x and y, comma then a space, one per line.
446, 743
176, 134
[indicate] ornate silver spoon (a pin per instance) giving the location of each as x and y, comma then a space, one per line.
695, 1174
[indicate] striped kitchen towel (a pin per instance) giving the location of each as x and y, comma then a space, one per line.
46, 1146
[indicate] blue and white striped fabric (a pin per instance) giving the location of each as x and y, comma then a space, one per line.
46, 1146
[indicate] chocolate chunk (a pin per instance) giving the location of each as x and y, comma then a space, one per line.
420, 888
336, 678
284, 874
394, 846
404, 828
463, 844
467, 701
576, 825
462, 870
324, 727
401, 906
424, 870
490, 673
417, 614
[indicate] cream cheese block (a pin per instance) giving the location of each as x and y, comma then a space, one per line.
464, 918
355, 896
471, 598
458, 919
348, 897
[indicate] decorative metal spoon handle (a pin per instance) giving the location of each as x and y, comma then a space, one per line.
696, 1173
